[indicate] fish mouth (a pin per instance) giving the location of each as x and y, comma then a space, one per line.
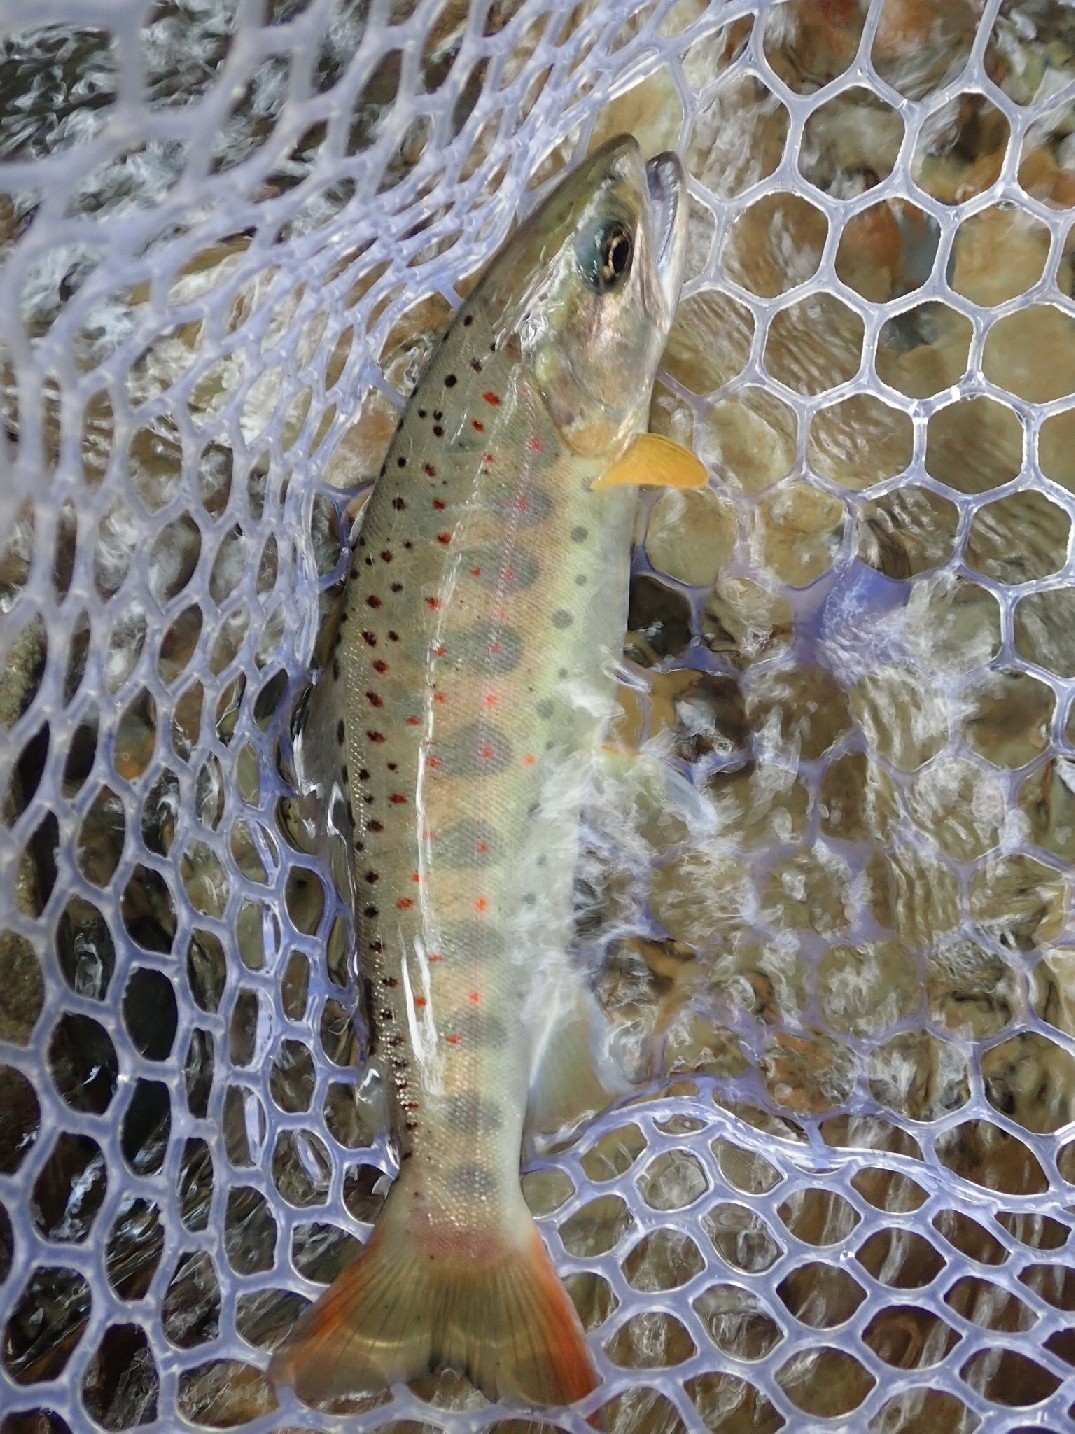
667, 185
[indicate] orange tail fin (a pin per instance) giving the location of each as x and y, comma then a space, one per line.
504, 1319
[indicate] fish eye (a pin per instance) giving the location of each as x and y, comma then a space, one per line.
605, 256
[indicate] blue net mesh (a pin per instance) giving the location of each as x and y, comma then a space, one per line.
231, 234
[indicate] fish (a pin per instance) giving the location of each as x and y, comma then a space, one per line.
484, 610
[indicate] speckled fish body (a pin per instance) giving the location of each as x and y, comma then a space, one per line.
486, 604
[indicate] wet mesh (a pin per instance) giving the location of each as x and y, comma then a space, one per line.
232, 232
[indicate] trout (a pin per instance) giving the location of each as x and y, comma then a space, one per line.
484, 610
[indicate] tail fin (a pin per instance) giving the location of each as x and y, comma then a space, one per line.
502, 1317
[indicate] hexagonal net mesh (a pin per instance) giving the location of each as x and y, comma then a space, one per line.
233, 230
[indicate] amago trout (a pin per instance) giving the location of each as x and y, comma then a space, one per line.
486, 603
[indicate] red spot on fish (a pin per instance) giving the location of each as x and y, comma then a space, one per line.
375, 736
508, 575
444, 538
491, 397
404, 903
434, 957
453, 1040
440, 697
478, 427
535, 444
374, 699
390, 981
529, 759
433, 763
434, 604
440, 650
380, 665
522, 505
439, 504
414, 721
474, 997
475, 572
429, 471
482, 848
481, 905
491, 699
386, 555
398, 799
495, 649
429, 836
486, 753
376, 826
416, 877
420, 1003
373, 601
488, 458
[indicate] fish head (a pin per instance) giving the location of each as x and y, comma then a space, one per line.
603, 263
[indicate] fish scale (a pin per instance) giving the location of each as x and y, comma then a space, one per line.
460, 741
484, 610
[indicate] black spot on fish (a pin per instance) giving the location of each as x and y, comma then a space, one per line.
450, 380
581, 580
562, 674
579, 534
370, 912
401, 462
545, 708
438, 430
399, 504
468, 319
561, 618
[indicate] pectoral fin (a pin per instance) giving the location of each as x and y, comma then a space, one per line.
653, 461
